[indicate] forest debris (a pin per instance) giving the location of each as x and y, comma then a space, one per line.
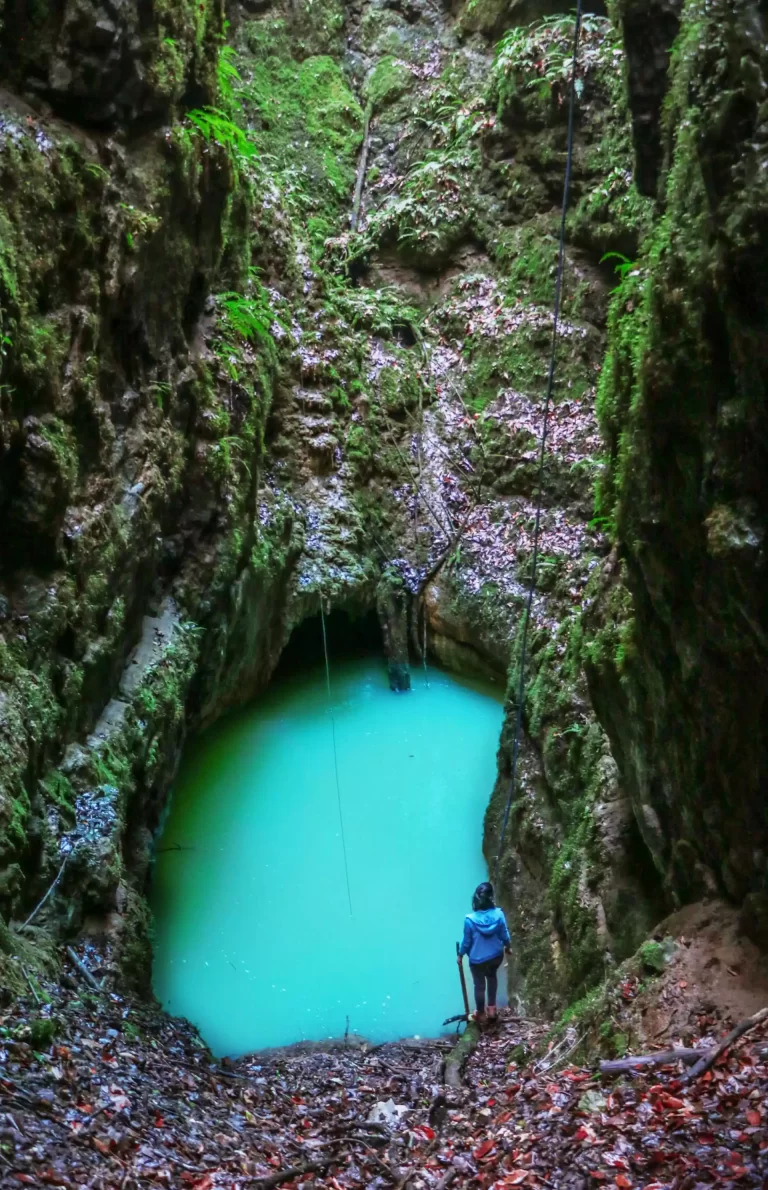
454, 1063
40, 903
294, 1171
447, 1178
87, 975
710, 1058
387, 1112
124, 1095
663, 1058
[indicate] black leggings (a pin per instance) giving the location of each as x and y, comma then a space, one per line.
483, 973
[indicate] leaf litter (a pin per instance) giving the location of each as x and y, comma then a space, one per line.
101, 1092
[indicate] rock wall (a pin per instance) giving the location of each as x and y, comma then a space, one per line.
276, 303
147, 552
677, 636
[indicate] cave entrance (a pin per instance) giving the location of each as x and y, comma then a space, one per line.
255, 941
349, 636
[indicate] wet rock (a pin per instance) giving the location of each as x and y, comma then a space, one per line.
687, 602
322, 450
650, 28
392, 605
101, 64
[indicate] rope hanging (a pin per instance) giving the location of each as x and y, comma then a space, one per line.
542, 448
335, 756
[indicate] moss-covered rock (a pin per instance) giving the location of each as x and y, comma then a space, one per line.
101, 65
219, 405
675, 634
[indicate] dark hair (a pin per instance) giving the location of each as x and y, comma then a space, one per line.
482, 898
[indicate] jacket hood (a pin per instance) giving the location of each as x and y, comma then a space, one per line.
485, 920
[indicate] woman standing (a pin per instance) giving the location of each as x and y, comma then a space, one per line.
486, 938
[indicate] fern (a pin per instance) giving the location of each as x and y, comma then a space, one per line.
250, 318
215, 125
623, 269
227, 75
541, 55
381, 311
243, 318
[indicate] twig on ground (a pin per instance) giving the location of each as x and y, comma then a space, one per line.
370, 1126
89, 1125
376, 1159
559, 1053
663, 1058
32, 987
445, 555
417, 490
405, 1179
293, 1171
712, 1055
86, 974
40, 904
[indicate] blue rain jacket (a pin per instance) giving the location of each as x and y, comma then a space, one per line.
485, 935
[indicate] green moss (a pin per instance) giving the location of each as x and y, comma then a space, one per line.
306, 122
398, 387
389, 80
42, 1031
611, 642
652, 957
527, 258
57, 788
16, 828
62, 446
581, 1009
571, 891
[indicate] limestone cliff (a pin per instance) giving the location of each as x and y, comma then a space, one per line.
276, 297
677, 637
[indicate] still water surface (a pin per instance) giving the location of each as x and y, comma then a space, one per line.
255, 942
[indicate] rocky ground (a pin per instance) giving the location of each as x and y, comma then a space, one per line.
103, 1092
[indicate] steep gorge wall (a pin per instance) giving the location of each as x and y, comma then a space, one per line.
671, 634
676, 658
220, 403
143, 569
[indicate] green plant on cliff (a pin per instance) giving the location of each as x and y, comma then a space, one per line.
434, 206
245, 320
383, 311
539, 57
216, 125
249, 316
305, 122
227, 74
623, 267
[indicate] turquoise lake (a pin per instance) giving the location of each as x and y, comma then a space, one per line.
255, 942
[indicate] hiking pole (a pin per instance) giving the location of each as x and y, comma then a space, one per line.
463, 981
460, 1016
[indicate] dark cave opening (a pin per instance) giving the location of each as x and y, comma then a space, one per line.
348, 635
